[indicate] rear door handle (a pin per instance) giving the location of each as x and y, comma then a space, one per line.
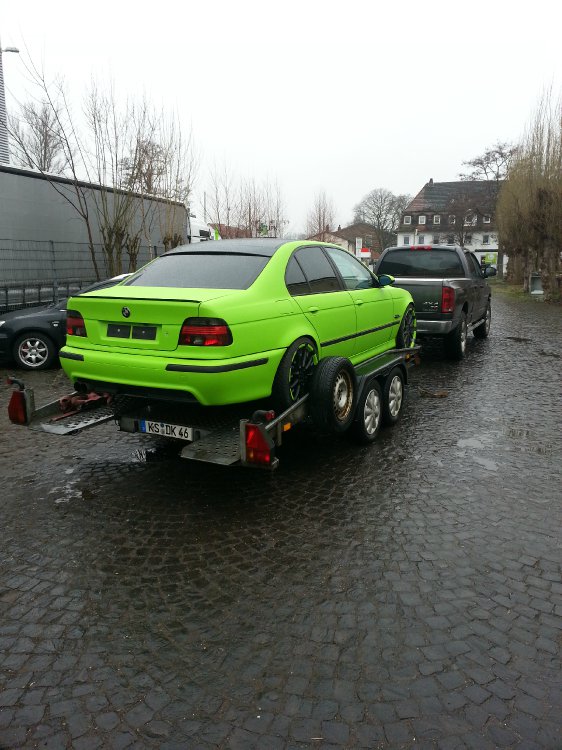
358, 302
312, 309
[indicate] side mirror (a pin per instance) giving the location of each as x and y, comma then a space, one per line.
490, 271
386, 279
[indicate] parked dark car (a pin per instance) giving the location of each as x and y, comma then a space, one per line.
450, 291
32, 337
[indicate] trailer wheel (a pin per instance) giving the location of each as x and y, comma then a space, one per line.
406, 336
332, 394
368, 414
292, 379
393, 396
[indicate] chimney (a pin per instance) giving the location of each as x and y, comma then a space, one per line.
339, 227
430, 183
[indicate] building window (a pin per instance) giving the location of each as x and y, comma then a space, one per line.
450, 240
435, 239
407, 219
421, 220
487, 219
406, 240
437, 219
468, 239
452, 219
485, 239
421, 238
470, 220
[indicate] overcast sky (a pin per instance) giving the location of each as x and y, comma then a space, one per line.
342, 96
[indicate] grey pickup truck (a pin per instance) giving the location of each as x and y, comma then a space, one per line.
451, 294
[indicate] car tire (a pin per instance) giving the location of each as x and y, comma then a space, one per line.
332, 394
406, 336
368, 414
455, 342
293, 376
482, 331
393, 394
34, 350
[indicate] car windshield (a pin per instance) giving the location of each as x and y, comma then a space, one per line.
201, 271
421, 263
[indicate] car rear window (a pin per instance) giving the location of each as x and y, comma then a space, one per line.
201, 271
421, 263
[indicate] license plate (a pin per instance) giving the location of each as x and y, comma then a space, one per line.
166, 430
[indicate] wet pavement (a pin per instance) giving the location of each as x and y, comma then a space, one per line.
406, 594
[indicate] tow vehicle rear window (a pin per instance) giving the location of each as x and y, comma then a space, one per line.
421, 264
201, 271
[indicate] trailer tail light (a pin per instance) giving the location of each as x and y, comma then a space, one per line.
75, 325
205, 332
447, 299
17, 411
258, 445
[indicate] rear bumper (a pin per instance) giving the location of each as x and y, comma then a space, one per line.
434, 327
210, 382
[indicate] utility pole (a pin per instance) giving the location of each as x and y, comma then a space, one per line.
4, 145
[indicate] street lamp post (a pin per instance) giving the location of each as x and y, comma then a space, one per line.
4, 145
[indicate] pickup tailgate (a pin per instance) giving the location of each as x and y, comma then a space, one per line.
426, 293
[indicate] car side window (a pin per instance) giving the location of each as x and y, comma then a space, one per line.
295, 279
353, 272
318, 270
474, 265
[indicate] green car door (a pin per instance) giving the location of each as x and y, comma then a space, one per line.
312, 281
373, 304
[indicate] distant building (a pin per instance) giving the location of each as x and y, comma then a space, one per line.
453, 213
360, 235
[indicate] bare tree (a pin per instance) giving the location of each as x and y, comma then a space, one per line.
530, 203
38, 142
382, 209
492, 167
320, 218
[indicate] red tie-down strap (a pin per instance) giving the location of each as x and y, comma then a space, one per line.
70, 405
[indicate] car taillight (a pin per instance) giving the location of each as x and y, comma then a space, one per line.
447, 300
421, 247
258, 447
205, 332
75, 325
17, 408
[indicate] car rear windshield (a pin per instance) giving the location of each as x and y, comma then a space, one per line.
201, 271
421, 263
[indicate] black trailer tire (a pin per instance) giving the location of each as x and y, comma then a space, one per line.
293, 376
332, 394
34, 350
393, 396
368, 414
455, 342
482, 331
406, 336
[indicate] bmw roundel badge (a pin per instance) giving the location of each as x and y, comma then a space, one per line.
125, 312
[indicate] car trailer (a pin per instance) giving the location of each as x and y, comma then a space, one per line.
341, 398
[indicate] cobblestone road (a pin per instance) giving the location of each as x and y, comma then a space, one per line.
407, 594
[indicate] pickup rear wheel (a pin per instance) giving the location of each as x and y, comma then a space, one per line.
368, 414
482, 331
393, 396
406, 336
332, 394
455, 342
